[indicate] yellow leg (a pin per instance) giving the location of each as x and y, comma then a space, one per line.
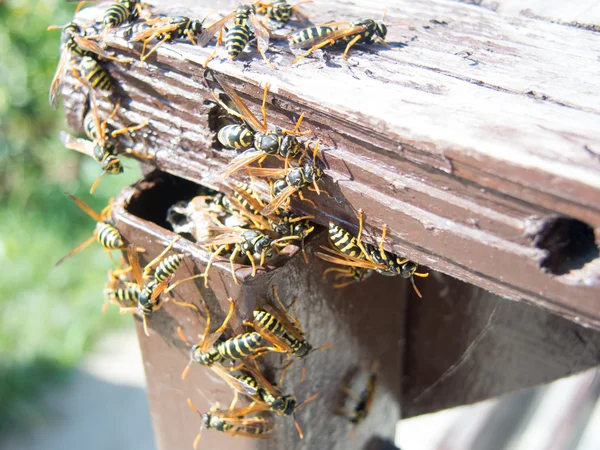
159, 258
231, 261
263, 108
129, 129
214, 52
165, 39
210, 261
301, 197
359, 241
381, 240
228, 317
350, 44
251, 258
312, 49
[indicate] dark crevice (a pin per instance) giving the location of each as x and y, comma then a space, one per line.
163, 190
570, 244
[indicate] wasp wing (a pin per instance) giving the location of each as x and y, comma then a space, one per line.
81, 145
266, 172
333, 36
56, 83
241, 106
242, 160
233, 382
262, 33
278, 201
154, 31
136, 268
210, 31
86, 208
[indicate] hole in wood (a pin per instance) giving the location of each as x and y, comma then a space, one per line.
160, 191
570, 243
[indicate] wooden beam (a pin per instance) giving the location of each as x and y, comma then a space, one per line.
364, 322
475, 138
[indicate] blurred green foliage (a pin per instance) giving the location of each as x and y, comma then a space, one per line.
49, 316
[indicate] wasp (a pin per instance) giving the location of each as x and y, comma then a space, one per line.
75, 44
148, 300
234, 422
282, 330
270, 396
280, 11
120, 12
105, 232
102, 147
286, 224
212, 351
364, 400
362, 31
246, 27
120, 291
352, 252
244, 243
167, 29
292, 181
281, 143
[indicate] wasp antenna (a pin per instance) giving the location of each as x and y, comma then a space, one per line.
182, 336
412, 280
145, 323
298, 428
186, 370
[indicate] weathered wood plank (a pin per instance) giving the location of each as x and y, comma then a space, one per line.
364, 323
467, 140
465, 345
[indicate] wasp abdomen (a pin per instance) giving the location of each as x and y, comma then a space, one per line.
95, 74
236, 136
344, 241
237, 38
167, 267
108, 236
240, 346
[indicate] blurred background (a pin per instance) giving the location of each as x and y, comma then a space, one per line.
50, 315
54, 392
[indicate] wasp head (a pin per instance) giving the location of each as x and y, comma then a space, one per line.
196, 27
381, 29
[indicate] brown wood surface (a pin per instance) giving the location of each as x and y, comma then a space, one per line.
464, 344
364, 322
468, 139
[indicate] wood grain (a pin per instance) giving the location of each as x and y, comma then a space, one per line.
468, 138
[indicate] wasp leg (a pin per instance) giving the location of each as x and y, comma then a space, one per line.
214, 52
165, 39
263, 108
210, 262
350, 44
251, 258
129, 129
162, 254
312, 49
231, 261
306, 199
359, 241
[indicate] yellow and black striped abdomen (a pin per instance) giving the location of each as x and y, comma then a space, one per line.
95, 74
240, 346
266, 321
128, 295
236, 136
116, 15
89, 126
237, 38
307, 37
167, 267
108, 236
344, 241
218, 424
